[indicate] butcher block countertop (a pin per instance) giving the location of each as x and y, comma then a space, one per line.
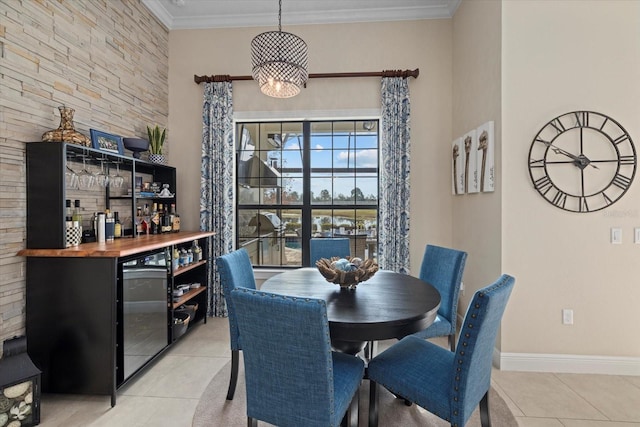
120, 247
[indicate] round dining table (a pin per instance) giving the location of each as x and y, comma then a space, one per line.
388, 305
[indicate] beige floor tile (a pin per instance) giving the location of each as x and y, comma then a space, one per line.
538, 422
202, 345
633, 380
592, 423
143, 411
614, 396
544, 395
72, 410
510, 403
177, 376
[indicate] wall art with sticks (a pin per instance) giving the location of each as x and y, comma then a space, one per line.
473, 167
485, 157
470, 144
457, 159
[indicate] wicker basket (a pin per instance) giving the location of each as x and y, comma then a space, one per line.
346, 279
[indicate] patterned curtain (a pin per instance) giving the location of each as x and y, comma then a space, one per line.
393, 232
216, 183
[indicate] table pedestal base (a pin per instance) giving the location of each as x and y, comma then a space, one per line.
348, 347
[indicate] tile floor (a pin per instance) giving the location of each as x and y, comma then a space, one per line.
167, 393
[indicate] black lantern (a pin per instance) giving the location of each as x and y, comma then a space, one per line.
19, 385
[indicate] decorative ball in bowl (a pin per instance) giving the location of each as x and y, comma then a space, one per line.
346, 272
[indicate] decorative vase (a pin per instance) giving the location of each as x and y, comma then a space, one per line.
157, 158
66, 131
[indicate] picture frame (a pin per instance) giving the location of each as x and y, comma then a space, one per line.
470, 148
106, 142
457, 163
485, 161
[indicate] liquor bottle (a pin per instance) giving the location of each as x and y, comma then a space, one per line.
175, 226
166, 220
172, 208
117, 229
109, 226
77, 216
68, 215
155, 220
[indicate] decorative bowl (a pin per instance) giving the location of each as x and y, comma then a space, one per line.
137, 145
348, 277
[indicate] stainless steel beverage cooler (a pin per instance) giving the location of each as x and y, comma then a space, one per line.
144, 309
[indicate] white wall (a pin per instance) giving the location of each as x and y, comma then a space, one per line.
477, 218
558, 57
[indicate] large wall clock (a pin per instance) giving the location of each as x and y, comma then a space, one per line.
582, 161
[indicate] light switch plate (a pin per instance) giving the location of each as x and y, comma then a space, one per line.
616, 235
636, 232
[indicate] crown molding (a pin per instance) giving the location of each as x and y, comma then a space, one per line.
441, 10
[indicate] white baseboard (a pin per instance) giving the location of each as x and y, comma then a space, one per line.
566, 363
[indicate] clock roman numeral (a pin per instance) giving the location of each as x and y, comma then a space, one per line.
557, 124
536, 163
583, 206
604, 122
582, 119
547, 143
607, 200
627, 160
560, 199
621, 181
621, 138
543, 184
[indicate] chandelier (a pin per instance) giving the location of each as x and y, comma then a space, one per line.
279, 61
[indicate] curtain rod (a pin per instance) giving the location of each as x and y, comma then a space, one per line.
386, 73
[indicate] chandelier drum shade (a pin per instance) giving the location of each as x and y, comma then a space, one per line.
279, 62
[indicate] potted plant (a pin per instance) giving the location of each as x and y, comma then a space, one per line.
156, 141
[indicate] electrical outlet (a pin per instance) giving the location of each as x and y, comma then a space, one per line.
567, 316
636, 232
616, 235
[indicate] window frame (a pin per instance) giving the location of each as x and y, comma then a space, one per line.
306, 207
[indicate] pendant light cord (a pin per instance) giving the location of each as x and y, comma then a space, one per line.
280, 15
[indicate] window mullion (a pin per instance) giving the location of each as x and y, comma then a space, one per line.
306, 191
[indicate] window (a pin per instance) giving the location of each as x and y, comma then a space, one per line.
297, 180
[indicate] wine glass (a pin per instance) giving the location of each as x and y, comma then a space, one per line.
102, 179
116, 181
70, 178
85, 178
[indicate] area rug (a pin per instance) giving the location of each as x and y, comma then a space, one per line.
214, 410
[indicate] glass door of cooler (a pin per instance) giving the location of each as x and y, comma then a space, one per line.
144, 314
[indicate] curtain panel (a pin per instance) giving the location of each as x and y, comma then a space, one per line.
216, 183
393, 231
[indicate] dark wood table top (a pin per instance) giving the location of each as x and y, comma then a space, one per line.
389, 305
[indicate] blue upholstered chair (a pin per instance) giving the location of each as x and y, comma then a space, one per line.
447, 384
292, 376
443, 268
327, 248
235, 270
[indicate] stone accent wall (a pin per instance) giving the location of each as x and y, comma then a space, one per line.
107, 59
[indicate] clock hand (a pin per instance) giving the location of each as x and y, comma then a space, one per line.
579, 160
